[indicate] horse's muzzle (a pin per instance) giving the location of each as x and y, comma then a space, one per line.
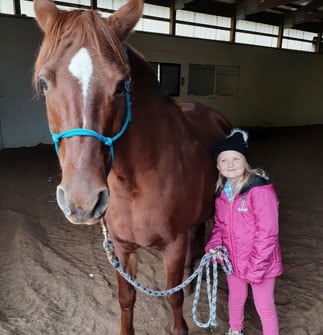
89, 213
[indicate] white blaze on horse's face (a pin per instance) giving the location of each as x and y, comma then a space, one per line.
81, 67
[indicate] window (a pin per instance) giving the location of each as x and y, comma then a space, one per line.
201, 79
256, 33
168, 75
227, 80
204, 26
6, 7
213, 80
157, 19
298, 40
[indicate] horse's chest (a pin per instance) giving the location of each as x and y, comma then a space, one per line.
137, 230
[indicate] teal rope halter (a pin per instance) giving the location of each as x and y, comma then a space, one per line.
108, 141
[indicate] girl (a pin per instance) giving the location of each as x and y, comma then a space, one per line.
246, 223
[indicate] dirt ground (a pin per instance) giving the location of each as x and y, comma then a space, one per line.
55, 278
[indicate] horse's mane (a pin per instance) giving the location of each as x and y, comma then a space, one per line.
83, 27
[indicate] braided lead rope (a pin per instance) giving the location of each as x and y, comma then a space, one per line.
211, 290
205, 263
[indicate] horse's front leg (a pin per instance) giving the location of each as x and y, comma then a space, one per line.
127, 295
174, 260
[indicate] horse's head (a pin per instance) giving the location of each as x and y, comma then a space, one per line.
82, 69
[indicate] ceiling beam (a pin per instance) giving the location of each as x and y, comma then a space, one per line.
313, 5
180, 4
247, 7
305, 14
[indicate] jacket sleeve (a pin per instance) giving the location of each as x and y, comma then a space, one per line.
215, 240
265, 206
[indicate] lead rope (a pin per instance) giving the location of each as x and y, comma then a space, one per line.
206, 260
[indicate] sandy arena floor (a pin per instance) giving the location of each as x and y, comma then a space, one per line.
46, 286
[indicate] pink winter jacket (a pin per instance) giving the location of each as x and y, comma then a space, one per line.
248, 228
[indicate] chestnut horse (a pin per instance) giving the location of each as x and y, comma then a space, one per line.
130, 156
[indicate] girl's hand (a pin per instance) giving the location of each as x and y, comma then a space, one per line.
219, 257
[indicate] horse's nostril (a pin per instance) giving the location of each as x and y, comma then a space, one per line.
101, 205
60, 195
80, 211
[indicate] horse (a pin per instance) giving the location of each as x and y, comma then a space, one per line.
131, 157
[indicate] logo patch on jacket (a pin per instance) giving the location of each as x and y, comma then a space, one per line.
243, 207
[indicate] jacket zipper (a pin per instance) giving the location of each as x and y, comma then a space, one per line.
231, 238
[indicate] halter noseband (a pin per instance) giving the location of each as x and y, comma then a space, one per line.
108, 141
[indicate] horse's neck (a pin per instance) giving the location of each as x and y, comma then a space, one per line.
153, 112
153, 130
156, 120
150, 130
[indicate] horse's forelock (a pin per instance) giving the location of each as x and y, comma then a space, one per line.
86, 28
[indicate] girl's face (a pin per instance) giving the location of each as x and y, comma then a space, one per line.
231, 164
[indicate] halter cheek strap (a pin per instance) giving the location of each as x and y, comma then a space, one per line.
108, 141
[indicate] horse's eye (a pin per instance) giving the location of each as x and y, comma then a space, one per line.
120, 88
42, 84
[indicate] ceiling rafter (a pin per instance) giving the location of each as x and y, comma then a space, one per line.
180, 4
247, 7
305, 14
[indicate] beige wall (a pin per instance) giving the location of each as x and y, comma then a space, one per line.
22, 116
277, 87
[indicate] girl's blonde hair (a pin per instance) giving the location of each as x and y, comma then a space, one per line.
238, 185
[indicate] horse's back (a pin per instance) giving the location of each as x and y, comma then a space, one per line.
208, 124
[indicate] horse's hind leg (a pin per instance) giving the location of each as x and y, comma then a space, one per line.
127, 297
191, 255
174, 259
188, 290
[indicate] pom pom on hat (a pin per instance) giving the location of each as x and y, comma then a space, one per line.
237, 140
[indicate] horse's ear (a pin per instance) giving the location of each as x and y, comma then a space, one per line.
126, 17
46, 11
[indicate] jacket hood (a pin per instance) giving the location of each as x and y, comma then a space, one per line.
254, 180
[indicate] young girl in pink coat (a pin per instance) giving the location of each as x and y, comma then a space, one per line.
246, 223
